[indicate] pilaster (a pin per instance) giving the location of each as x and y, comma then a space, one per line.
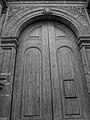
84, 44
7, 64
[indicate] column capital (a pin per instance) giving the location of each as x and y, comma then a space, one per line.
9, 42
83, 41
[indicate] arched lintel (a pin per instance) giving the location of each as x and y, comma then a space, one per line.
17, 24
61, 19
72, 23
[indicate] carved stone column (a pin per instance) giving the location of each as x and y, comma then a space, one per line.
2, 16
7, 64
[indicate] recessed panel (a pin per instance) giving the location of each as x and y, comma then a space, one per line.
68, 83
35, 34
70, 89
66, 66
32, 80
59, 33
72, 107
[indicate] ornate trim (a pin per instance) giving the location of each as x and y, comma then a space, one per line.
76, 10
14, 10
47, 11
19, 17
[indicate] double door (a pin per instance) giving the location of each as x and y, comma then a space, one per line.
47, 76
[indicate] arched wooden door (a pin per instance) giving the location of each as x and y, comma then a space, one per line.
48, 76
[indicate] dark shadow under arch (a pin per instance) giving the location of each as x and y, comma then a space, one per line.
45, 17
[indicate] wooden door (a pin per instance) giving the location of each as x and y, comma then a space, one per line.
47, 75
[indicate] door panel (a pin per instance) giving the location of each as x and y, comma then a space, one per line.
32, 80
46, 79
66, 64
63, 74
57, 112
34, 99
47, 95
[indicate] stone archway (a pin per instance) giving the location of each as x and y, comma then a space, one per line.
14, 27
17, 23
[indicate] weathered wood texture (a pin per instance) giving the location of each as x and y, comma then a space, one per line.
86, 64
48, 81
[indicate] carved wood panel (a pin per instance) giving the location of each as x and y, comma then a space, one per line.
66, 63
32, 76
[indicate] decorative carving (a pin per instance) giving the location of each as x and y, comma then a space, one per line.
13, 10
47, 10
77, 10
19, 11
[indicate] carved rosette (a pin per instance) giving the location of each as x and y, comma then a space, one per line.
14, 10
47, 11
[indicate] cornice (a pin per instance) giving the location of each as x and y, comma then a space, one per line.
47, 1
9, 42
84, 41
